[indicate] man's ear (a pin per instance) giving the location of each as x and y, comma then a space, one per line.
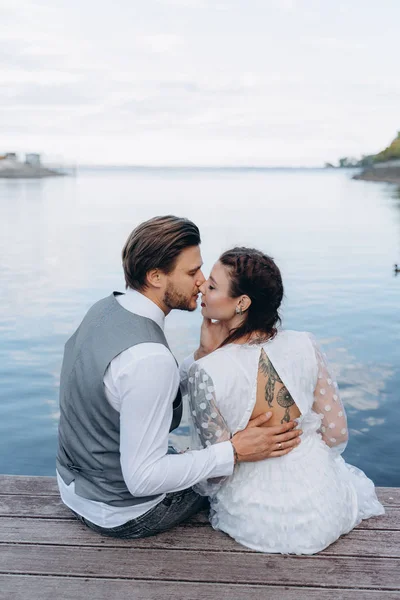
154, 278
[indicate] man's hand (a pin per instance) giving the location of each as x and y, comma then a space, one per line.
211, 337
258, 442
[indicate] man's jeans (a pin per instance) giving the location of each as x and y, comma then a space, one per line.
175, 508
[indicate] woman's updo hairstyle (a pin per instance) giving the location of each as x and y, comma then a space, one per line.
256, 275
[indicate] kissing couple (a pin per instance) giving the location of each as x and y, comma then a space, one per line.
268, 426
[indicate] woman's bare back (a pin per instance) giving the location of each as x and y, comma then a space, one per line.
272, 394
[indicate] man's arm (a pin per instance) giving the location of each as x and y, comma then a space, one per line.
147, 387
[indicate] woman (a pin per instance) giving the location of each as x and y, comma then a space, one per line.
303, 501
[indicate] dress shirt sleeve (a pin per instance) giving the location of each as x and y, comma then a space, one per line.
184, 373
147, 387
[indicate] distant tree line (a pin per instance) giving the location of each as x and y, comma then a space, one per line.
392, 152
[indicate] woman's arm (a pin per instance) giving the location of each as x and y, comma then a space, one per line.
208, 426
208, 423
328, 404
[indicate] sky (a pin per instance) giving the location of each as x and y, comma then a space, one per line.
199, 82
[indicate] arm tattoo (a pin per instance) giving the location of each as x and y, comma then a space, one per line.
283, 397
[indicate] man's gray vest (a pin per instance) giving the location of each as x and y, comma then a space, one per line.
89, 433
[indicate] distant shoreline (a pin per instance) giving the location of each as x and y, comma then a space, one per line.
10, 169
383, 175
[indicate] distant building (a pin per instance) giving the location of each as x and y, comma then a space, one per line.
9, 156
32, 159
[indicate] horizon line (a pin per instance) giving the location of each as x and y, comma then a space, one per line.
199, 167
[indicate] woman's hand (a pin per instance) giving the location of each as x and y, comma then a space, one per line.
211, 337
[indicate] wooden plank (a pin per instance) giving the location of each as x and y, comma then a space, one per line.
366, 543
21, 484
390, 520
207, 566
46, 486
52, 507
67, 533
21, 587
34, 506
42, 506
389, 496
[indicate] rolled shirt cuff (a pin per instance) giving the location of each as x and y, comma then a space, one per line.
224, 459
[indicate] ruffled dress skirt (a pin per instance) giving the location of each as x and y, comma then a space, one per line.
299, 503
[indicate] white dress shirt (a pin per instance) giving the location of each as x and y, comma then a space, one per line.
141, 384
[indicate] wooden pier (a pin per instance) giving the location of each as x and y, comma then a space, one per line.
46, 554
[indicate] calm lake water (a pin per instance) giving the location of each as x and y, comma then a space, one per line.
335, 240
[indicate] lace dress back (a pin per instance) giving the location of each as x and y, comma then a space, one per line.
300, 502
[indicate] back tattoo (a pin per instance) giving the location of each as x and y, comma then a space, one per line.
283, 398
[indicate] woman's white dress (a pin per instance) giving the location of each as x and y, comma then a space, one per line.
298, 503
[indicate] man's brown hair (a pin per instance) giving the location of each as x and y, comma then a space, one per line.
156, 244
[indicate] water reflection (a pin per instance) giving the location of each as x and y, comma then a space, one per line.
335, 240
396, 193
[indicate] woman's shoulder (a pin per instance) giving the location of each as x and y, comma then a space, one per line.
228, 366
212, 360
292, 343
293, 332
290, 335
232, 354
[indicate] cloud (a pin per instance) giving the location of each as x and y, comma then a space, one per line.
184, 3
34, 95
175, 72
159, 43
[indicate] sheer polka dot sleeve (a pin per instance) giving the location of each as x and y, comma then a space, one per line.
328, 404
207, 420
207, 425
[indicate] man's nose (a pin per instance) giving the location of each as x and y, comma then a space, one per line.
202, 288
200, 280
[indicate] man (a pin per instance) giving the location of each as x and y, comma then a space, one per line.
120, 396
